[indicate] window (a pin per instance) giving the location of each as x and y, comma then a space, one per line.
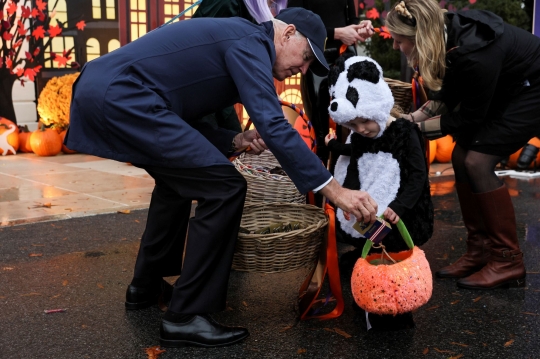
92, 49
96, 9
137, 18
58, 45
61, 11
110, 9
113, 45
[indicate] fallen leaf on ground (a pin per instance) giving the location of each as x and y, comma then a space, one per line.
124, 211
64, 282
154, 352
469, 332
30, 294
533, 272
530, 313
301, 351
285, 329
443, 351
454, 302
456, 357
460, 344
35, 255
508, 343
100, 286
137, 221
425, 351
476, 299
434, 307
38, 245
342, 333
7, 268
244, 303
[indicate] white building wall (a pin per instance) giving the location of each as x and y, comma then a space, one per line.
24, 102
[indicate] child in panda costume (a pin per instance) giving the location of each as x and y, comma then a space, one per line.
383, 156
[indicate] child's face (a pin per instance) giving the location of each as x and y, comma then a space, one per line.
364, 127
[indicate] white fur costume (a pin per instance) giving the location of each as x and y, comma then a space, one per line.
360, 91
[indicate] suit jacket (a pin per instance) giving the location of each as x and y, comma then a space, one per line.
142, 102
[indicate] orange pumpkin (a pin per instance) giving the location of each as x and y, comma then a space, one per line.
45, 142
64, 147
24, 139
392, 288
9, 137
445, 146
7, 122
432, 150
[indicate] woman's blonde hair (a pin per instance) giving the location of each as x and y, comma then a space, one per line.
422, 22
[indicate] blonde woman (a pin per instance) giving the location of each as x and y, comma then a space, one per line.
487, 74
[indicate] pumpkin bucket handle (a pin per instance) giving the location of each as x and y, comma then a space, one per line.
404, 234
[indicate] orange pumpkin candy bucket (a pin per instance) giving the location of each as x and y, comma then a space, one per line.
392, 283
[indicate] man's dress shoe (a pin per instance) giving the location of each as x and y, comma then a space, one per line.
202, 331
144, 297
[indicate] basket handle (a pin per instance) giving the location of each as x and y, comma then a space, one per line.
404, 234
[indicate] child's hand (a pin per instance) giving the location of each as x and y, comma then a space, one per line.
331, 136
391, 216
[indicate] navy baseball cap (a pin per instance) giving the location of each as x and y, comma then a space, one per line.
311, 26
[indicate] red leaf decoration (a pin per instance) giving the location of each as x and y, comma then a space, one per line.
372, 14
28, 55
54, 30
38, 33
35, 12
62, 61
80, 25
6, 36
19, 71
41, 5
25, 12
20, 28
17, 44
36, 51
30, 74
12, 9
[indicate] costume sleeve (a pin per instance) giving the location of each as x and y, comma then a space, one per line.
250, 65
471, 82
412, 186
339, 148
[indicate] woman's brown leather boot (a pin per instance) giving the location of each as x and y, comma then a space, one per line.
478, 245
505, 267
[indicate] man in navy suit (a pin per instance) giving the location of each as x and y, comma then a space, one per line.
141, 104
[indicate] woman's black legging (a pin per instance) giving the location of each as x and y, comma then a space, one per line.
477, 169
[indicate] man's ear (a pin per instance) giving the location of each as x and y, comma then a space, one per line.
290, 30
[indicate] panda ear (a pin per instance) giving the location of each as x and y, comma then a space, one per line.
364, 70
335, 70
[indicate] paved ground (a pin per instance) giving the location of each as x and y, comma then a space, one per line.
84, 264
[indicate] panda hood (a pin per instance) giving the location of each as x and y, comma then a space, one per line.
358, 89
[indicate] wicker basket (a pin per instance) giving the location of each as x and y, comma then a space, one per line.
402, 92
264, 186
279, 252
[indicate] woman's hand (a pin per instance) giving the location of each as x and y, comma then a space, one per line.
365, 30
348, 34
391, 216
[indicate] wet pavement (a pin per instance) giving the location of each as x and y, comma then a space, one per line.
84, 264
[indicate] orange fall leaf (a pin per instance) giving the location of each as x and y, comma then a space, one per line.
154, 352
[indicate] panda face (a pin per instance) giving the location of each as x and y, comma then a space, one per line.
358, 91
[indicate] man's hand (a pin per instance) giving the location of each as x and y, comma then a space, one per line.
252, 139
358, 203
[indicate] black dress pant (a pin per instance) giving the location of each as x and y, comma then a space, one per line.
211, 234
